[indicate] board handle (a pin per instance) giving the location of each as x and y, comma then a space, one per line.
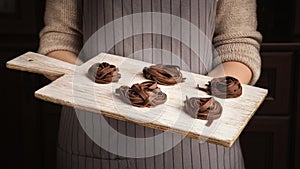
41, 64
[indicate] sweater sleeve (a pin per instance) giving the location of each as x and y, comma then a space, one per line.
236, 37
63, 27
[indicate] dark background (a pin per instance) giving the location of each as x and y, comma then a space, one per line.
29, 126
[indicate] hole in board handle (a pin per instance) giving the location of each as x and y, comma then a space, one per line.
30, 59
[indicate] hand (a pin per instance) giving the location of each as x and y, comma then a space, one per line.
52, 78
235, 69
64, 56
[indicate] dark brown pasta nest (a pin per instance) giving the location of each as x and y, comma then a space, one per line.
104, 73
146, 94
164, 74
203, 108
223, 87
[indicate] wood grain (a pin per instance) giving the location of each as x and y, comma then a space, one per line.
75, 89
36, 63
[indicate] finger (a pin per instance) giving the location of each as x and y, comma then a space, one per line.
52, 78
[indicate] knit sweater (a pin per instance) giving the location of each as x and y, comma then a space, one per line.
235, 36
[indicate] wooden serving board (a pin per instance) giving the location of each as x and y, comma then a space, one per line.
75, 89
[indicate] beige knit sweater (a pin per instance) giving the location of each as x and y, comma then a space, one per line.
235, 39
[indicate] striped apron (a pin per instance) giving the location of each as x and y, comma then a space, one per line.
177, 32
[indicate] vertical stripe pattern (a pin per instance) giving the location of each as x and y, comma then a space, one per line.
189, 50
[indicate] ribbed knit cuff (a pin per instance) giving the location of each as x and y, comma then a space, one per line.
54, 41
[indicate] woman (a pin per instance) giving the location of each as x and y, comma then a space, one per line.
230, 24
